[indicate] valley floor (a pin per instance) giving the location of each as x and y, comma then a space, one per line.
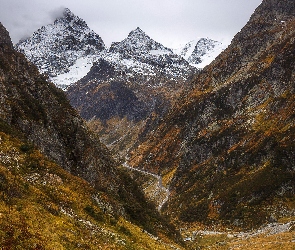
271, 236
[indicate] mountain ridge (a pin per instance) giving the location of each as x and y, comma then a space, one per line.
67, 49
226, 147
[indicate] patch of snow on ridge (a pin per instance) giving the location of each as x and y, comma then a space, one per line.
158, 52
186, 50
76, 72
210, 57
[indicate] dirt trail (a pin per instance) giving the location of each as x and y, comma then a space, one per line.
159, 188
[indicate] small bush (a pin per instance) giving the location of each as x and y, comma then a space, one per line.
26, 148
97, 215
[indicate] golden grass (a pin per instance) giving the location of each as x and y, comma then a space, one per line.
43, 206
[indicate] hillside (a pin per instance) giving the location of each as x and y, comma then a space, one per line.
60, 187
226, 150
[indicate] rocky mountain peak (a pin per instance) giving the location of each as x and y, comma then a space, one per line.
137, 42
70, 19
137, 32
68, 13
4, 37
56, 47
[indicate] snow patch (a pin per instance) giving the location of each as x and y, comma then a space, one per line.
159, 52
201, 52
76, 72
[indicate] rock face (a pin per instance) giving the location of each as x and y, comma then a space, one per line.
61, 47
106, 100
5, 38
227, 148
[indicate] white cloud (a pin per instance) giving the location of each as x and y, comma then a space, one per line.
168, 21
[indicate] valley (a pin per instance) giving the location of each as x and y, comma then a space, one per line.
140, 146
153, 189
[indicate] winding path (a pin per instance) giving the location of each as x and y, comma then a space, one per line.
159, 180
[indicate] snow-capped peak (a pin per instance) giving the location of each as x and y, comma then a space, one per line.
137, 32
67, 49
55, 48
68, 12
138, 42
200, 52
69, 18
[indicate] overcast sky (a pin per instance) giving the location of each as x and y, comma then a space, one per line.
171, 22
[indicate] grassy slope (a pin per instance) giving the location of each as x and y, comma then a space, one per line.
33, 109
44, 207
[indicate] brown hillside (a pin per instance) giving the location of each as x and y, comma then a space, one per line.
227, 148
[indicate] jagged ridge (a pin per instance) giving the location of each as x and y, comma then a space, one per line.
67, 49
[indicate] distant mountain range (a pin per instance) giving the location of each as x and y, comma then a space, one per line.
66, 50
132, 80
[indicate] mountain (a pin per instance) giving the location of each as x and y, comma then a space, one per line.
226, 149
201, 52
143, 55
64, 50
132, 84
60, 187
